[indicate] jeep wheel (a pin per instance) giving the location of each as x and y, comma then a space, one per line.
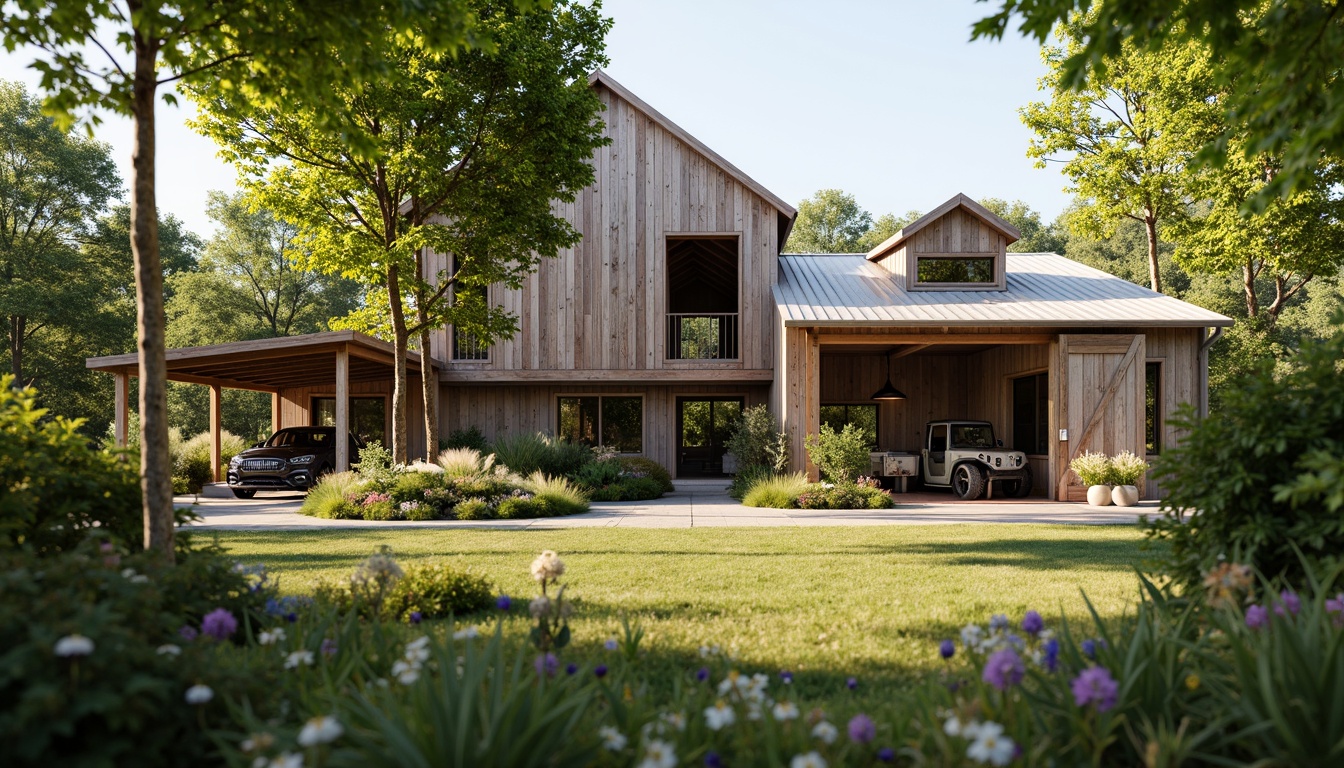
968, 481
1019, 489
241, 493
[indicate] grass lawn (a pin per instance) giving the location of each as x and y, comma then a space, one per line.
824, 602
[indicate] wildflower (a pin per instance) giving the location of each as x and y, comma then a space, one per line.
470, 633
540, 606
282, 760
1226, 583
1256, 617
271, 637
786, 677
719, 715
378, 568
862, 729
825, 732
1032, 623
406, 672
328, 647
168, 649
571, 668
972, 635
658, 754
1289, 603
712, 760
417, 651
610, 644
298, 659
1004, 669
1095, 686
785, 710
1090, 648
1192, 681
320, 730
187, 633
110, 557
547, 567
947, 649
73, 645
199, 694
1050, 657
503, 602
417, 617
675, 720
219, 624
702, 674
1335, 605
886, 754
991, 746
612, 739
809, 760
852, 683
135, 578
600, 670
998, 622
954, 727
257, 742
546, 665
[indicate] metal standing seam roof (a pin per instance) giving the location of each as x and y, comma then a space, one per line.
1044, 289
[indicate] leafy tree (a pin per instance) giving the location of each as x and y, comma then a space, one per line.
465, 156
267, 51
831, 221
1126, 133
1037, 236
53, 183
884, 227
1278, 66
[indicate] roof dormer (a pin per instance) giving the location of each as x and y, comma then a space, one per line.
958, 246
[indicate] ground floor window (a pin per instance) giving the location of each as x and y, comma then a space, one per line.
368, 417
1031, 414
1152, 397
616, 423
862, 416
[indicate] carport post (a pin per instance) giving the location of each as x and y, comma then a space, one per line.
123, 393
275, 412
343, 409
216, 418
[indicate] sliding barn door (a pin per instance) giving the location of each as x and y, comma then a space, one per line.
1101, 397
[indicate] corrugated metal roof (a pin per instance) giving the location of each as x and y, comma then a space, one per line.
1044, 289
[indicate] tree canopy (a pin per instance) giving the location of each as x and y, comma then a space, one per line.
832, 221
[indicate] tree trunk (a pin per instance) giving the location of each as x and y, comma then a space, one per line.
400, 344
1248, 274
156, 483
428, 383
17, 328
1154, 275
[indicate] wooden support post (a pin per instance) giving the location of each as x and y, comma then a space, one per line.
812, 408
216, 421
123, 395
342, 410
275, 412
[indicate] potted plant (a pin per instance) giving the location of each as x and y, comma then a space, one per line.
1126, 472
1094, 469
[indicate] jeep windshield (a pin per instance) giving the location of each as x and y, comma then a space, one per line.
301, 438
972, 436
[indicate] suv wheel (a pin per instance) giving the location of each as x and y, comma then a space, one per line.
241, 493
968, 481
1019, 489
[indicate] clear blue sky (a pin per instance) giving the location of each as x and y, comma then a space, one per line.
886, 100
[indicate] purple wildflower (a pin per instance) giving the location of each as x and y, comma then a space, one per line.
786, 676
1095, 685
703, 674
712, 760
1050, 658
504, 602
947, 649
1256, 616
1032, 623
417, 617
328, 647
219, 624
1004, 669
571, 668
187, 632
861, 729
610, 644
852, 683
291, 617
1289, 602
600, 670
547, 665
998, 621
1090, 648
886, 754
1335, 605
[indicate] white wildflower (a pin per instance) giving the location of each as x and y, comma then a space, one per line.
991, 746
199, 694
258, 742
283, 760
299, 658
675, 719
540, 606
753, 710
320, 730
135, 578
825, 732
73, 645
548, 566
470, 633
719, 715
168, 649
658, 754
612, 739
785, 710
809, 760
972, 635
271, 637
417, 651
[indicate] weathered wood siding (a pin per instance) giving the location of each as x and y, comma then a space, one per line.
296, 405
989, 384
601, 305
1101, 400
1177, 349
934, 385
956, 232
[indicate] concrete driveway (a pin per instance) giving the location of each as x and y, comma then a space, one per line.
695, 504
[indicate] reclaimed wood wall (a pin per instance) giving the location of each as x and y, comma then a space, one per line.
296, 408
989, 380
934, 385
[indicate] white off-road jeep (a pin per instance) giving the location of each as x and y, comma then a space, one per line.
964, 456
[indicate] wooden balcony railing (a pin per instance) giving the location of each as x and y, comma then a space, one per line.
702, 337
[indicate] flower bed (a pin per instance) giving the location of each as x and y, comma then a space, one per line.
794, 492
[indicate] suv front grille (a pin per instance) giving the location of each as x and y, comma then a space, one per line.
263, 465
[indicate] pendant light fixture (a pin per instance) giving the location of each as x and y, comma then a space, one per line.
888, 392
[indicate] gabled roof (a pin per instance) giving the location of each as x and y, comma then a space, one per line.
1044, 289
1010, 233
607, 81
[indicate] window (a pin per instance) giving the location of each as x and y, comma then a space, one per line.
1031, 414
1152, 397
932, 269
368, 416
702, 298
466, 346
616, 423
862, 416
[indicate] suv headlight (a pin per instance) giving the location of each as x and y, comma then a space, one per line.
235, 461
301, 460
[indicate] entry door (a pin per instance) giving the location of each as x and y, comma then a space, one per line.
1101, 396
703, 426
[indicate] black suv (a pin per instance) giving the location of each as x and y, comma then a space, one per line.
291, 460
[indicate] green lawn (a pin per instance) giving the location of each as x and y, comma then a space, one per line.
824, 602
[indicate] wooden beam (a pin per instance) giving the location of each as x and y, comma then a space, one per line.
342, 410
216, 422
910, 350
1100, 409
597, 376
812, 408
851, 339
122, 389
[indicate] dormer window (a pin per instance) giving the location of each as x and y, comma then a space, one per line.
958, 246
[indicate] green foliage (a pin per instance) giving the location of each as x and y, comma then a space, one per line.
331, 497
471, 437
191, 460
55, 487
841, 456
832, 221
473, 508
746, 478
776, 491
844, 496
598, 474
1093, 468
437, 591
1249, 484
376, 465
638, 466
525, 453
411, 486
1127, 469
461, 462
561, 496
757, 441
521, 508
1037, 236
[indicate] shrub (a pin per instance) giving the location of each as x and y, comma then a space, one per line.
776, 491
565, 458
460, 462
331, 497
757, 441
470, 438
191, 460
417, 510
637, 466
379, 507
55, 487
561, 496
844, 496
1127, 469
411, 486
526, 453
598, 474
1254, 483
436, 590
628, 489
841, 456
376, 465
522, 508
746, 478
1093, 468
474, 508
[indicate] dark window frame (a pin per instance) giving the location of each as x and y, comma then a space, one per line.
877, 419
600, 429
1152, 407
384, 438
1041, 417
988, 257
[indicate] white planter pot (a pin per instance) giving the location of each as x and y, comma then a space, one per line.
1125, 495
1099, 495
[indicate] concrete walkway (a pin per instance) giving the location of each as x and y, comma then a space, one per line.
695, 504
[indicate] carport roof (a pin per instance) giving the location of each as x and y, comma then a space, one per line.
1044, 290
269, 365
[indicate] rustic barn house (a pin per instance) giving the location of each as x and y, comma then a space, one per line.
677, 310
